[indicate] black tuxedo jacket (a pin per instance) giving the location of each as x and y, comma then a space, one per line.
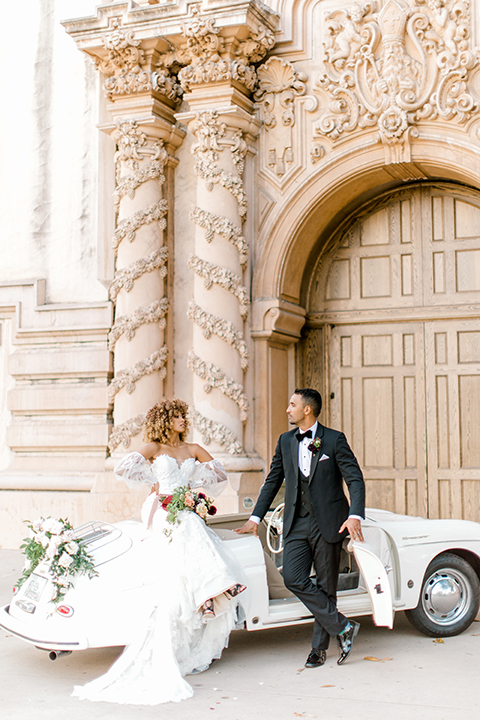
326, 489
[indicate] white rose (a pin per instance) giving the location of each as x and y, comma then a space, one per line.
65, 560
47, 524
72, 548
57, 527
42, 539
51, 550
37, 525
69, 535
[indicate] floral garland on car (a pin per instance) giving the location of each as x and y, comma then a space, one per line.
186, 499
54, 543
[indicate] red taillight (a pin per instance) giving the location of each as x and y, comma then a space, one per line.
15, 589
65, 610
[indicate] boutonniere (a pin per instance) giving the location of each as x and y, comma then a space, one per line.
315, 445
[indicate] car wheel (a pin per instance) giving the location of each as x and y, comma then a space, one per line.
449, 598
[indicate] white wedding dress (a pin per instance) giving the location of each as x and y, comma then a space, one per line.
189, 567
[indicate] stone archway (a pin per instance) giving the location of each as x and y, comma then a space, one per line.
392, 336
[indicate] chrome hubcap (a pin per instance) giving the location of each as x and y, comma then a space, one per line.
446, 596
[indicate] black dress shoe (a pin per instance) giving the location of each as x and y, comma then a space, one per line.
316, 658
345, 641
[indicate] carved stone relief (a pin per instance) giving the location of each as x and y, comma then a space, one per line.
391, 69
128, 70
207, 57
278, 86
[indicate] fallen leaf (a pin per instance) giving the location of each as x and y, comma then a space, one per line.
438, 640
475, 634
301, 670
374, 659
299, 714
327, 686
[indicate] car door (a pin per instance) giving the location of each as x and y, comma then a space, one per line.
373, 559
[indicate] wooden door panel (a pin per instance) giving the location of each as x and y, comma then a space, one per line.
451, 249
378, 401
453, 417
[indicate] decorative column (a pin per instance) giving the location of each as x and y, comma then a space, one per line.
219, 357
218, 81
142, 96
138, 289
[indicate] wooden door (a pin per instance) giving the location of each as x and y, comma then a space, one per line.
395, 301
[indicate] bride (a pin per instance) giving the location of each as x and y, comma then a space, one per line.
188, 623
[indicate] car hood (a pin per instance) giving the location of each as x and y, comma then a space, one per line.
408, 530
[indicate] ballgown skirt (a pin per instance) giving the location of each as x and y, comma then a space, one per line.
171, 639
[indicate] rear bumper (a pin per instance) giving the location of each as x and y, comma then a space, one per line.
40, 636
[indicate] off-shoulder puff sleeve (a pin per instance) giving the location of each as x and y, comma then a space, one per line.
210, 476
135, 470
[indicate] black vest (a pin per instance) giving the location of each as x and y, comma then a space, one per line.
303, 506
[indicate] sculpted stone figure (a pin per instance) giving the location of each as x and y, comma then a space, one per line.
349, 39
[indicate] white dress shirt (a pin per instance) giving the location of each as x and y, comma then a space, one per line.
304, 454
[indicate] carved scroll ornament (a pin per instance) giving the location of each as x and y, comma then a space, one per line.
393, 68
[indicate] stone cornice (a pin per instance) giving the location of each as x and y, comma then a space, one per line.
165, 22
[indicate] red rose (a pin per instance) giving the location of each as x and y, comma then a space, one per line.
166, 501
212, 510
202, 496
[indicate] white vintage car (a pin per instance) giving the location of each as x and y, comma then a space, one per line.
429, 568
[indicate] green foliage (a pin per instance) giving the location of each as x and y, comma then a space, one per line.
54, 543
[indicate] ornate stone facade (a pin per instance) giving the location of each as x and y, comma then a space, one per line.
226, 237
392, 66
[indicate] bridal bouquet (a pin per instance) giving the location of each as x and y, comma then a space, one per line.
54, 543
186, 499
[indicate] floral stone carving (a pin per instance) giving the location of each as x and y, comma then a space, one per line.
393, 68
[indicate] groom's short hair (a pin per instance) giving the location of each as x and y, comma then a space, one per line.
311, 397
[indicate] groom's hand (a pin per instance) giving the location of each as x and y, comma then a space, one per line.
249, 527
354, 527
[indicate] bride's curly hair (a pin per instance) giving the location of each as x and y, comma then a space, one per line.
159, 419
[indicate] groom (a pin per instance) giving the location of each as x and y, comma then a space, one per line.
313, 459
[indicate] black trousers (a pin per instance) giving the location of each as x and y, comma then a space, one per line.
303, 547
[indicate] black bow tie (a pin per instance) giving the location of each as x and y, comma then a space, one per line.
300, 436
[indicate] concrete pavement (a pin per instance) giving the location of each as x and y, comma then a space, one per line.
261, 675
